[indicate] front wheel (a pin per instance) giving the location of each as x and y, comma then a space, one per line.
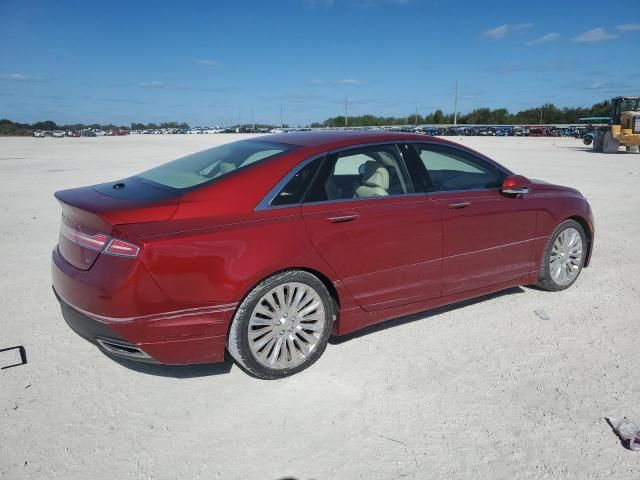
282, 326
564, 257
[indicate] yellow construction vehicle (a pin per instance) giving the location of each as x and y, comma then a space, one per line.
623, 129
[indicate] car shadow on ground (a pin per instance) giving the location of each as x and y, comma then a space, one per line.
177, 371
584, 149
422, 315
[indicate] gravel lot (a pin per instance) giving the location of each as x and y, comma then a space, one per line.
484, 389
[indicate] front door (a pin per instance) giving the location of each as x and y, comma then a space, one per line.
487, 237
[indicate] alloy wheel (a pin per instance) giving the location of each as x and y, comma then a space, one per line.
286, 325
565, 260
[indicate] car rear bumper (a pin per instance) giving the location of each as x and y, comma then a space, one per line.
168, 341
123, 328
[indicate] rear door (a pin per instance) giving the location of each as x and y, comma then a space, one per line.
383, 240
487, 237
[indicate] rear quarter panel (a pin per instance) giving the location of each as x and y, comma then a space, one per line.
222, 263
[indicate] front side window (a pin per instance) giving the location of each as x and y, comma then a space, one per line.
450, 170
361, 173
202, 167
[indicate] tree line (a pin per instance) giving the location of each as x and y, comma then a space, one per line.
9, 128
547, 113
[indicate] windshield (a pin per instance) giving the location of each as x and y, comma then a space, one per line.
202, 167
630, 105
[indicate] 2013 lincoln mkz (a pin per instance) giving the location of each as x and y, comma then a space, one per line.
265, 247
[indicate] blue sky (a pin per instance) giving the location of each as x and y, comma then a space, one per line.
220, 62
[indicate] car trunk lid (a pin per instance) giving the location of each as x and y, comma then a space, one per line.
90, 213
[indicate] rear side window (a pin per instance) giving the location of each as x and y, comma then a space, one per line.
202, 167
377, 171
452, 170
293, 192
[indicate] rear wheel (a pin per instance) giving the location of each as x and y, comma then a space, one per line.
563, 258
610, 144
282, 326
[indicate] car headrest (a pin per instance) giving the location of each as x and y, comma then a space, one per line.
375, 175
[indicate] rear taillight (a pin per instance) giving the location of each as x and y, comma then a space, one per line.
92, 242
122, 248
98, 241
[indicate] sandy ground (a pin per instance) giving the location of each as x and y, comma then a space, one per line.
482, 390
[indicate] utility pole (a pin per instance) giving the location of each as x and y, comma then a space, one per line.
281, 118
253, 121
455, 106
541, 115
346, 111
416, 118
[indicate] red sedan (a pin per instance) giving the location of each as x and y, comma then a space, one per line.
266, 247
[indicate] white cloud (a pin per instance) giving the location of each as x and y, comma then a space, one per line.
317, 82
207, 61
521, 26
153, 84
628, 27
349, 81
17, 77
498, 32
502, 31
595, 35
547, 38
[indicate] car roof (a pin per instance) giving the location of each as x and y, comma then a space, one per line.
338, 138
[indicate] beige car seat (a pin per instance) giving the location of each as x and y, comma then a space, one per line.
225, 167
374, 181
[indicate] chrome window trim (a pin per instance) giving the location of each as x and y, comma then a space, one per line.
265, 203
376, 198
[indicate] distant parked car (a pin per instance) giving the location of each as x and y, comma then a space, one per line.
38, 134
265, 247
57, 134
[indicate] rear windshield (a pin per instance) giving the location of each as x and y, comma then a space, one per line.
202, 167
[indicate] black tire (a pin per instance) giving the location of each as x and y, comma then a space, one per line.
545, 280
238, 340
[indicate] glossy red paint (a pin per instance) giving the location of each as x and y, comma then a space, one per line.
203, 251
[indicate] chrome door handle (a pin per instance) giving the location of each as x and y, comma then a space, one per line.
459, 205
343, 218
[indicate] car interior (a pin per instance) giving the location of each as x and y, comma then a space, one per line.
363, 175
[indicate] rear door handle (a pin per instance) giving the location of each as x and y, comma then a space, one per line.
343, 218
459, 205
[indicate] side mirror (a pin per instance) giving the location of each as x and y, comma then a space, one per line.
516, 185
